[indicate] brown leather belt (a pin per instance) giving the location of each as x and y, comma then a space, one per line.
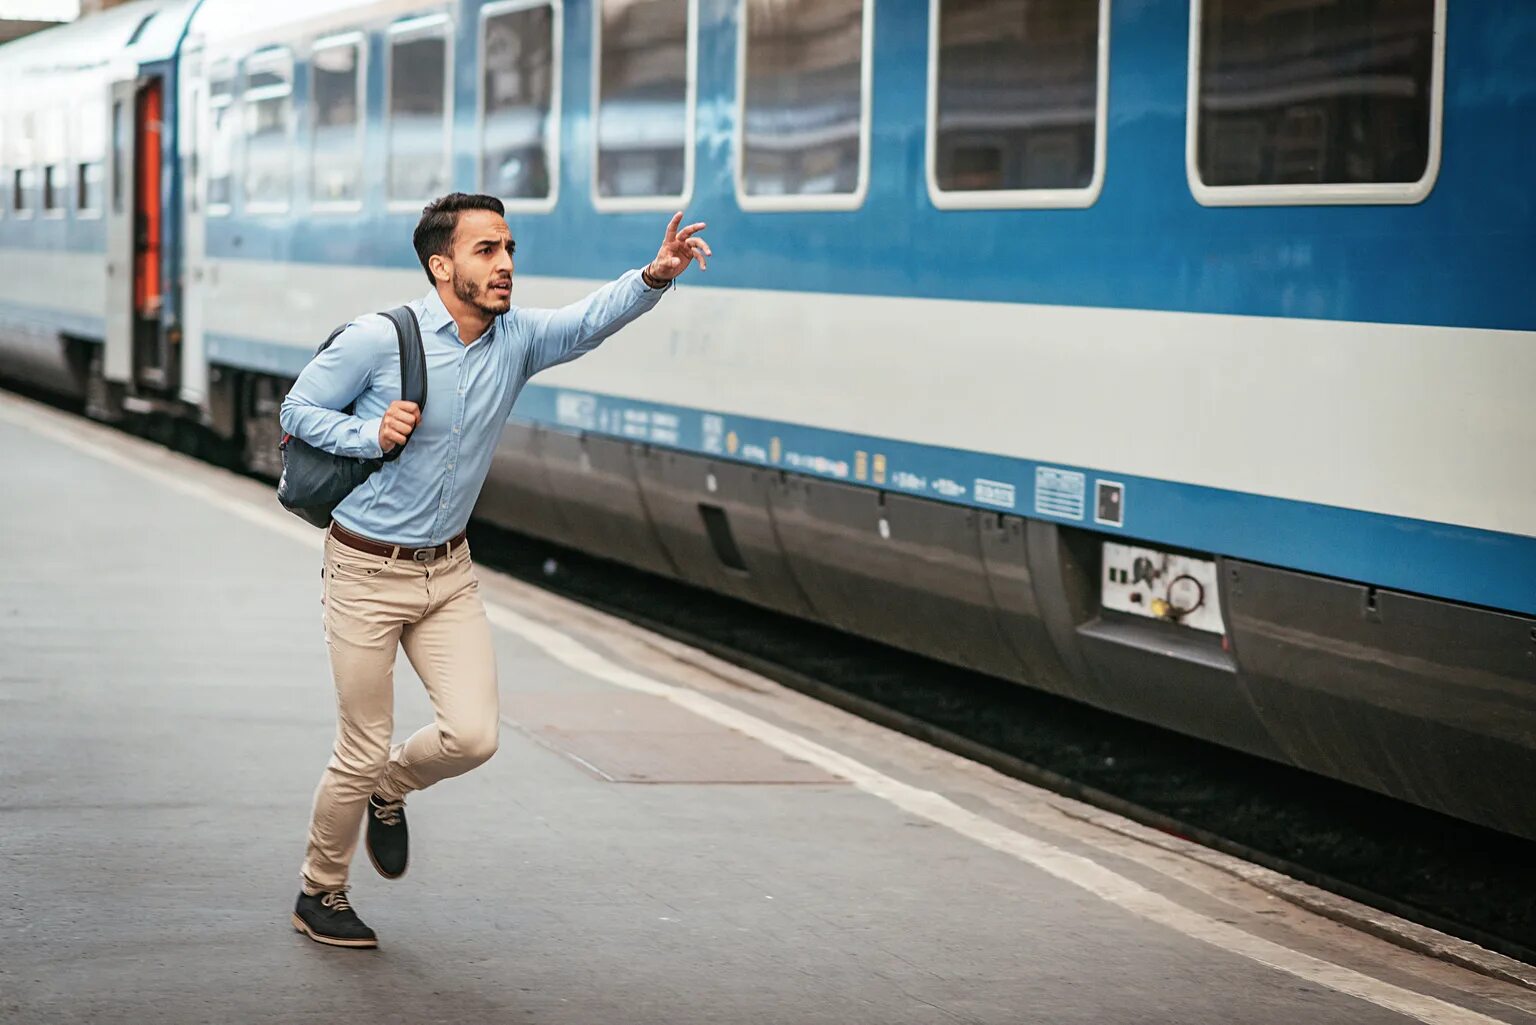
389, 551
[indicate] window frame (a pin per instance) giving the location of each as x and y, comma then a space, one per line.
1016, 199
404, 30
817, 201
84, 157
21, 183
524, 204
621, 204
54, 186
1325, 194
358, 40
217, 69
53, 155
259, 58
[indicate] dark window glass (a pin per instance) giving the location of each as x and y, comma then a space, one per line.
1311, 92
338, 157
88, 187
1018, 90
642, 112
55, 188
418, 115
517, 89
803, 100
21, 190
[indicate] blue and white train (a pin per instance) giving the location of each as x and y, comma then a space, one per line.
1176, 356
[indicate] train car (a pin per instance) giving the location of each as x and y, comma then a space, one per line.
1172, 356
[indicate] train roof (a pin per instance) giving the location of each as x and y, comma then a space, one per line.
228, 23
145, 30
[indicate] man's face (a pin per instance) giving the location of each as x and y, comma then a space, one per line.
482, 261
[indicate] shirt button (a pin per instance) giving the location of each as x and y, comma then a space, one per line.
455, 430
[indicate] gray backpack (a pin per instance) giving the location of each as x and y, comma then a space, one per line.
314, 481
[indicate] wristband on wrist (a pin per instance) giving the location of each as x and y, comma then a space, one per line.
652, 282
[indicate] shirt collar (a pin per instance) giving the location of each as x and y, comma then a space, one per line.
434, 315
435, 319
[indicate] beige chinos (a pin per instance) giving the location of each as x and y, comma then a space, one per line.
433, 610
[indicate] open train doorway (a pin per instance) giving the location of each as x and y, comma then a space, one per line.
141, 354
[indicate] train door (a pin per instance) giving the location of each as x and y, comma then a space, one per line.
140, 353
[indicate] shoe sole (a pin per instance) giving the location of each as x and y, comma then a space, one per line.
330, 941
380, 870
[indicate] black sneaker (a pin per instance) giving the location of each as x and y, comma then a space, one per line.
329, 918
389, 845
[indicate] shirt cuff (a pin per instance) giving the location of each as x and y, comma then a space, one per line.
369, 438
647, 291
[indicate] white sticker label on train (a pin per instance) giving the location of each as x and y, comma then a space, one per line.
992, 492
1059, 492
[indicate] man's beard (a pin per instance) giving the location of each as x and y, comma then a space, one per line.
471, 293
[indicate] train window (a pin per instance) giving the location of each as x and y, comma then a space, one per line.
644, 102
55, 176
1315, 101
21, 184
803, 75
90, 148
519, 103
337, 92
268, 130
1016, 102
121, 133
221, 138
418, 109
21, 191
55, 188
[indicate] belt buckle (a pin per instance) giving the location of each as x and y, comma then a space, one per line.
424, 555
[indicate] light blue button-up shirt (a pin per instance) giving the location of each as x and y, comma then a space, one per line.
426, 495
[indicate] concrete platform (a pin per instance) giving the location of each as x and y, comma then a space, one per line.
661, 839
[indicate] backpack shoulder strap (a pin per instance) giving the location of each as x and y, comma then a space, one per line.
333, 336
413, 362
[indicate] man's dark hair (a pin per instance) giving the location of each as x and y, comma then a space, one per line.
439, 220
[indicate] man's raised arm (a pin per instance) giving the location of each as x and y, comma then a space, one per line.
559, 336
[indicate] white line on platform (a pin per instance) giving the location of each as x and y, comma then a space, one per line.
1072, 868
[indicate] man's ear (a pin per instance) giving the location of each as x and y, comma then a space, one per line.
442, 267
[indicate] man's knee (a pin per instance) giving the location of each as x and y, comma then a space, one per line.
362, 755
473, 744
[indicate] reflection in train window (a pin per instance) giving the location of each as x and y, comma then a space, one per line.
1016, 95
221, 138
268, 126
90, 149
418, 109
803, 96
644, 134
336, 93
517, 96
1315, 92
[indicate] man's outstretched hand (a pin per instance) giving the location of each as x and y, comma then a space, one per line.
680, 248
